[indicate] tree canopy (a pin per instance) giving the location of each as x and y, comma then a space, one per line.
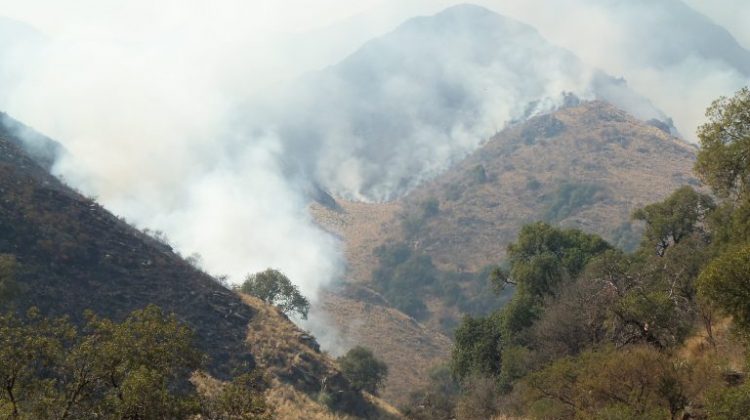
273, 287
672, 220
136, 369
726, 282
365, 372
724, 159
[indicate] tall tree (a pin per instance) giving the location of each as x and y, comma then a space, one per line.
726, 282
724, 159
674, 219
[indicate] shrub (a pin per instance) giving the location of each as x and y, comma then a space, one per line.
570, 198
365, 372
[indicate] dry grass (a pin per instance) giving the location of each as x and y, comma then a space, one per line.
295, 366
409, 348
362, 227
634, 163
725, 347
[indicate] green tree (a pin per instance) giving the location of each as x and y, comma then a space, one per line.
542, 258
137, 369
726, 283
724, 159
674, 219
365, 372
404, 277
273, 287
29, 346
477, 348
137, 364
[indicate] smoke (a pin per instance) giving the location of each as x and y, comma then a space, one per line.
145, 113
211, 120
668, 52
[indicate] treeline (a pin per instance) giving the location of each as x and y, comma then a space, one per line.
595, 332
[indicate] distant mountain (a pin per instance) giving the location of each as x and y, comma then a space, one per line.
586, 166
662, 33
408, 104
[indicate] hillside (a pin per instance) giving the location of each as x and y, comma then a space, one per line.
408, 104
74, 255
586, 166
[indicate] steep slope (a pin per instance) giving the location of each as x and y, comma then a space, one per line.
43, 150
407, 104
74, 255
587, 166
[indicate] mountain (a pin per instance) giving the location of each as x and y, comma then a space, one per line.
407, 104
75, 256
586, 166
664, 33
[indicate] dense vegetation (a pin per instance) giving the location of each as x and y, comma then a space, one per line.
137, 369
593, 331
571, 197
407, 278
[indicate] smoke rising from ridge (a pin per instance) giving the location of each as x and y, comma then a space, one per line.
211, 120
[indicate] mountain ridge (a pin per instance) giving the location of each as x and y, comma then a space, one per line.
481, 204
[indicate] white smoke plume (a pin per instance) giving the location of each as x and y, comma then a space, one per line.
202, 119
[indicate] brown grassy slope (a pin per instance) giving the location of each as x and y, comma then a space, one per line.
409, 348
362, 227
300, 373
74, 255
630, 162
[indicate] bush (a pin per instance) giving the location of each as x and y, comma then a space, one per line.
570, 198
403, 277
430, 208
478, 175
275, 288
365, 372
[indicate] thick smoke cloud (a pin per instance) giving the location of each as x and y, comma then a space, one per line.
677, 56
409, 103
211, 120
